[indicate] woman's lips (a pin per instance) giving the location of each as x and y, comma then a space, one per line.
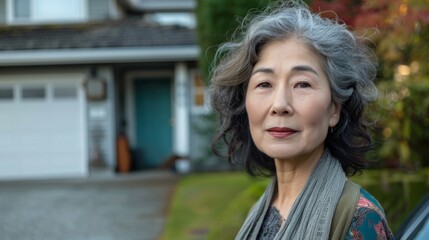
281, 132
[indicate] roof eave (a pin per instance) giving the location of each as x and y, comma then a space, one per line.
95, 56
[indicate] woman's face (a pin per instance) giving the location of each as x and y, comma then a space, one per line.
288, 101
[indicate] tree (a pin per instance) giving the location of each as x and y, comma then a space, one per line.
402, 27
402, 50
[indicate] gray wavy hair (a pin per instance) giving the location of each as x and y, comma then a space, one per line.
350, 66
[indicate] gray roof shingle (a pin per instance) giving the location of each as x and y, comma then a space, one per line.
129, 32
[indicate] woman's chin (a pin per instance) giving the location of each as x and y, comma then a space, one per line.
294, 154
282, 155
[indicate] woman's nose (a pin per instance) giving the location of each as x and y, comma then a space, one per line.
281, 103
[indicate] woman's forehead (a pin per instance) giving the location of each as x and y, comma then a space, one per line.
295, 50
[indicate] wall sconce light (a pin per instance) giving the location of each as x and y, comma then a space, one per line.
96, 87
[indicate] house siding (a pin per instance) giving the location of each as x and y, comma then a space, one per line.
101, 123
2, 11
200, 139
100, 134
201, 154
99, 9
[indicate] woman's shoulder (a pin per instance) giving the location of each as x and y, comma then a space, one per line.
367, 201
369, 221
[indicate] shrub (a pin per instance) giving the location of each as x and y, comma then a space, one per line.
401, 117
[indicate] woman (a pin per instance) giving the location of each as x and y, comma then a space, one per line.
290, 93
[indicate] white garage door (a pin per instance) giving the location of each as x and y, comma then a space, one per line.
42, 126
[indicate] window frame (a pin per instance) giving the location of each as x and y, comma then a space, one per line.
11, 19
199, 109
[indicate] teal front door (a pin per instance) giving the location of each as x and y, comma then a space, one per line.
153, 122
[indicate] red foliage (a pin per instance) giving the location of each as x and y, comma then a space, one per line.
383, 14
345, 10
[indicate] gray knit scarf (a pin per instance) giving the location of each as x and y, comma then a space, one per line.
312, 212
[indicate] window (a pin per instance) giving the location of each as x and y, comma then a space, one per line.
65, 92
33, 93
198, 91
24, 11
6, 93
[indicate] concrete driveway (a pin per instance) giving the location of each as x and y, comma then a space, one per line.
125, 207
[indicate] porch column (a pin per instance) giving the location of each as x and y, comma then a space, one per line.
181, 110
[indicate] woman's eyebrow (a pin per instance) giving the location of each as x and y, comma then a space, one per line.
298, 68
263, 70
304, 68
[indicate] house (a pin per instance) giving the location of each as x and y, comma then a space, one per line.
77, 74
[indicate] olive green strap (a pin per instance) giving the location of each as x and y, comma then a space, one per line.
345, 210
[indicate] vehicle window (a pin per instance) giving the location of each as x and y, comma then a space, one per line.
424, 231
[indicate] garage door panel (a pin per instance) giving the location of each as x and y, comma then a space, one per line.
29, 121
37, 127
36, 156
37, 123
42, 171
36, 151
13, 161
40, 139
43, 137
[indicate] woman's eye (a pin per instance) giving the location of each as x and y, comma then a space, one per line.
264, 85
303, 85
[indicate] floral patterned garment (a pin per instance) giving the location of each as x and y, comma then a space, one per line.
369, 221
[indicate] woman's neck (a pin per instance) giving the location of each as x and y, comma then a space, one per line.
292, 176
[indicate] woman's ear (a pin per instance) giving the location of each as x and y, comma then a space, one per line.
334, 114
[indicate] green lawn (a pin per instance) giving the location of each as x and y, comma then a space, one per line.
199, 200
214, 205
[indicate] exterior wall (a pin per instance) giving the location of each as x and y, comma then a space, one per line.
2, 11
200, 139
100, 9
203, 125
96, 10
39, 12
101, 123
